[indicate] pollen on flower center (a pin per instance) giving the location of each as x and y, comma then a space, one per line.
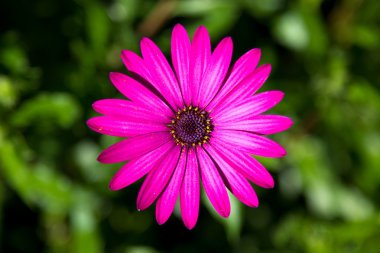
191, 126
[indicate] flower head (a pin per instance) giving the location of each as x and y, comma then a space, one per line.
198, 124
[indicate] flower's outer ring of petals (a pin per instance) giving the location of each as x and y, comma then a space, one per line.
133, 147
190, 191
244, 89
237, 184
215, 72
260, 124
166, 202
180, 51
243, 67
124, 109
138, 93
248, 166
137, 168
122, 128
157, 179
199, 60
249, 107
161, 72
249, 142
213, 184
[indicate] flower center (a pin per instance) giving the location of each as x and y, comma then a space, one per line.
191, 126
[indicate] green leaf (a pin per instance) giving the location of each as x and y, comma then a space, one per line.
86, 237
38, 184
8, 94
232, 224
58, 108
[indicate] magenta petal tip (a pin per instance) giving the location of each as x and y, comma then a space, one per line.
225, 213
113, 186
178, 26
190, 224
161, 219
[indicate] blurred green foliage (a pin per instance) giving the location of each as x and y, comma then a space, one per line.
54, 62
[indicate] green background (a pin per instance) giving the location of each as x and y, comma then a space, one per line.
55, 57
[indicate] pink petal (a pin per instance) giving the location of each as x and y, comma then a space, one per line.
165, 204
136, 169
261, 124
243, 67
238, 185
190, 191
215, 72
134, 63
122, 128
249, 167
157, 179
164, 79
248, 142
180, 49
199, 60
142, 69
213, 184
123, 109
244, 89
249, 107
138, 93
133, 147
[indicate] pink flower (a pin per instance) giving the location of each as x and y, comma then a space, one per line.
197, 124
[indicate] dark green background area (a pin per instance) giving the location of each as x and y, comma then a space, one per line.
55, 57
